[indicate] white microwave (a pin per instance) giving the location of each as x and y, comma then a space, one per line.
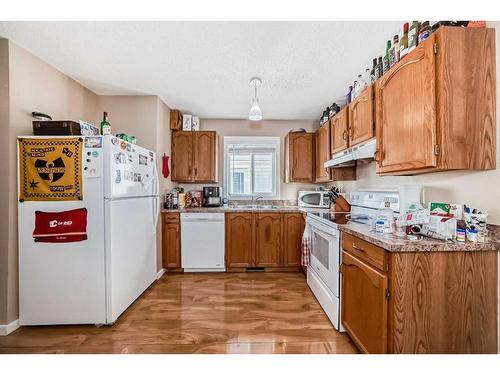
313, 198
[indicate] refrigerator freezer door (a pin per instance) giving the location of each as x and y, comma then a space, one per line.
130, 251
130, 170
64, 283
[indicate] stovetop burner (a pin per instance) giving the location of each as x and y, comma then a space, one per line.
342, 217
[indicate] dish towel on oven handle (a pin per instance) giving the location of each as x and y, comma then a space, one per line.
306, 245
64, 226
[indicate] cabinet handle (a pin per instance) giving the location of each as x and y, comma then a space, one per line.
376, 156
357, 248
351, 132
344, 135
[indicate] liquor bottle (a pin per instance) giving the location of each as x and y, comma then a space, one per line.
403, 44
379, 69
105, 126
393, 52
386, 62
424, 32
413, 36
373, 72
367, 81
349, 95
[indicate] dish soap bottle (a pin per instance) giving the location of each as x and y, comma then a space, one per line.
105, 126
387, 215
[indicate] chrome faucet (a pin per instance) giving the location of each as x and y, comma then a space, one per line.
255, 199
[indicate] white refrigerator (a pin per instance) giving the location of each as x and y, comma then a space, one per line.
94, 281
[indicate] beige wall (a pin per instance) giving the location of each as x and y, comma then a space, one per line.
28, 84
4, 182
148, 119
270, 128
33, 85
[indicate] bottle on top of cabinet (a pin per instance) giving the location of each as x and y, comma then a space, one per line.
424, 32
379, 71
349, 95
373, 72
403, 43
386, 61
413, 35
394, 52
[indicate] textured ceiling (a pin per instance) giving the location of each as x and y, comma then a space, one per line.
204, 67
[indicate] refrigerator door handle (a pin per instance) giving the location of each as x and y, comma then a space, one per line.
157, 182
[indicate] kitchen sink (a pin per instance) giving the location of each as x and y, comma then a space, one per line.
257, 206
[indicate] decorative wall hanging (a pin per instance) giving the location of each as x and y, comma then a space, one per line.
50, 169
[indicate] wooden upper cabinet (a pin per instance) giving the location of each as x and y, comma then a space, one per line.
339, 131
268, 239
293, 228
361, 122
323, 153
194, 156
204, 156
364, 304
239, 239
435, 109
406, 112
299, 157
182, 156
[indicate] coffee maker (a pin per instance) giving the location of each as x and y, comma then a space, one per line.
212, 196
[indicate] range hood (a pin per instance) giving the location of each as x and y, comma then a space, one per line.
363, 151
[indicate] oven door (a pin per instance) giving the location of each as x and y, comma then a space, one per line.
325, 254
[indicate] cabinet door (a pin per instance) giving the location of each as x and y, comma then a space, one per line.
268, 239
205, 156
182, 156
300, 157
405, 100
322, 153
361, 124
364, 304
339, 136
239, 239
293, 228
171, 245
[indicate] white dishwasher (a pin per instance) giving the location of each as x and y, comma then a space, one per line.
202, 242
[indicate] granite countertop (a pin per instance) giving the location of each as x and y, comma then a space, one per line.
236, 209
394, 244
388, 241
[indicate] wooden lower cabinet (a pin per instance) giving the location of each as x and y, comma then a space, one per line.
364, 304
419, 302
293, 229
263, 239
239, 239
171, 252
268, 239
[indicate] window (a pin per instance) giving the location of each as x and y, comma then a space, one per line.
251, 167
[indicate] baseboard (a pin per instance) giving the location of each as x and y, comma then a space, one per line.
9, 328
160, 273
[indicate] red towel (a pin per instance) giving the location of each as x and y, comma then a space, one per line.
65, 226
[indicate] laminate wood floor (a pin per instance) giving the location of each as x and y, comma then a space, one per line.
202, 313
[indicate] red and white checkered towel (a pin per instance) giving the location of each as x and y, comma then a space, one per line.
306, 245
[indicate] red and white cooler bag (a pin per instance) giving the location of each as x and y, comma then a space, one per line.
65, 226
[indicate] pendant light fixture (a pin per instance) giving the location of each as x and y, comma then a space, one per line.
255, 112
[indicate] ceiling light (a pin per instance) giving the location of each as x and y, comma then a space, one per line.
255, 112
